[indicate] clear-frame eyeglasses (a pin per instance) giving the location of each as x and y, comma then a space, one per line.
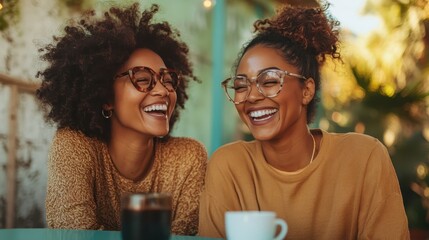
269, 83
144, 78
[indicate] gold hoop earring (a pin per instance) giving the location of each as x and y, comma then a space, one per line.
106, 113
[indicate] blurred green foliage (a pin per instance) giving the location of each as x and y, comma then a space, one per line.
383, 92
9, 14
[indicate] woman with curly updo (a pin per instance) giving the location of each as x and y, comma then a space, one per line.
114, 86
324, 185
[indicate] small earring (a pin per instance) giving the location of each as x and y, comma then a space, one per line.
106, 113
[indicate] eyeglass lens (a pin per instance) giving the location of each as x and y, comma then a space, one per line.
144, 79
269, 84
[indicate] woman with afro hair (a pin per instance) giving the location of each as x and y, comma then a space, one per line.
114, 86
324, 185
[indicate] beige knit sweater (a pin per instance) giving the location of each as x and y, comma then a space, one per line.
84, 187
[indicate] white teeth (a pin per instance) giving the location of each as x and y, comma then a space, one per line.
261, 113
156, 107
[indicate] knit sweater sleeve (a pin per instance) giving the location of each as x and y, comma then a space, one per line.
382, 214
70, 200
194, 155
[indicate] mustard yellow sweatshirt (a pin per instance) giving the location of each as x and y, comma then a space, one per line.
349, 191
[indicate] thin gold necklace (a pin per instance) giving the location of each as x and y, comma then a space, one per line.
314, 149
302, 169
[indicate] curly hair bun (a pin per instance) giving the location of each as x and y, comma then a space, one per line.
308, 27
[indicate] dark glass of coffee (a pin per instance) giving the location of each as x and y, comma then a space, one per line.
146, 216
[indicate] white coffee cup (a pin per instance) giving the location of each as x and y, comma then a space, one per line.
254, 225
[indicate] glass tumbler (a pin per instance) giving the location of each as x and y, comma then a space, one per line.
146, 216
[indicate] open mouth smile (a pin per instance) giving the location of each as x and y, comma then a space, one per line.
262, 115
156, 109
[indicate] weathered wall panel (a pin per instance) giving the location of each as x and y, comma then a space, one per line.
4, 100
34, 138
37, 21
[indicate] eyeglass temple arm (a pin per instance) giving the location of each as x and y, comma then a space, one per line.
296, 75
122, 74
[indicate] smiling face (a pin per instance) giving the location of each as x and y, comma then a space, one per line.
145, 113
283, 115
